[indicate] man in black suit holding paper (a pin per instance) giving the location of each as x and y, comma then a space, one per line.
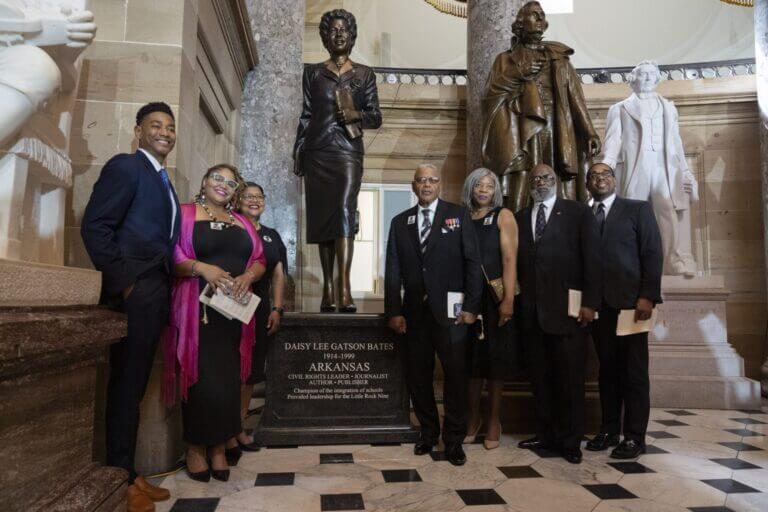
558, 251
431, 252
129, 228
632, 267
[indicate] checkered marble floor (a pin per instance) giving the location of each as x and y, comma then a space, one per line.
697, 460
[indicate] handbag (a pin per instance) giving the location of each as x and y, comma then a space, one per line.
495, 287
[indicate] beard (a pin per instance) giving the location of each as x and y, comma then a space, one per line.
542, 195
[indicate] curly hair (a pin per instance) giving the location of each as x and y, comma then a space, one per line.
234, 203
325, 26
517, 26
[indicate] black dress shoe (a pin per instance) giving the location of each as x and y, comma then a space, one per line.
628, 449
200, 476
534, 443
422, 449
572, 455
602, 441
221, 475
455, 454
233, 455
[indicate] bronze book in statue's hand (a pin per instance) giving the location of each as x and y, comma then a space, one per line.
344, 101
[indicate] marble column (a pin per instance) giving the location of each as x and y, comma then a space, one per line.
761, 56
270, 113
489, 32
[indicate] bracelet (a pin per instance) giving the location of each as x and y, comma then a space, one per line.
280, 311
194, 274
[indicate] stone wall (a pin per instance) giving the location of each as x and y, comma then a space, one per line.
719, 126
184, 52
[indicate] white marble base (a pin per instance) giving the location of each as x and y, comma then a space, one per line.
691, 362
24, 283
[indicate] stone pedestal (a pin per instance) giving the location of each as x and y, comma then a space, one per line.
334, 379
48, 367
692, 365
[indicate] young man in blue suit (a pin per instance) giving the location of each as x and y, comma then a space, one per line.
130, 227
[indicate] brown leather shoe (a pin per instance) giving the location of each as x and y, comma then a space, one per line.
138, 501
154, 492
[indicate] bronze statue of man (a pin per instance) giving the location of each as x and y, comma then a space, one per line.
534, 112
340, 100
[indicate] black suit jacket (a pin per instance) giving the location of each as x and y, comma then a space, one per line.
451, 263
566, 257
632, 254
127, 222
318, 127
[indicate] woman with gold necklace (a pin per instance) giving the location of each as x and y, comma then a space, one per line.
211, 354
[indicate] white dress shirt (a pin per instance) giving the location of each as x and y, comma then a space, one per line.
608, 202
432, 207
550, 204
157, 167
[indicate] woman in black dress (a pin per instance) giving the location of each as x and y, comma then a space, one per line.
494, 349
269, 313
329, 151
220, 248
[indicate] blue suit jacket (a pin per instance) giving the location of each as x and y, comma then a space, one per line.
126, 227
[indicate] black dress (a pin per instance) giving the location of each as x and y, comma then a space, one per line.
497, 356
211, 414
331, 162
274, 252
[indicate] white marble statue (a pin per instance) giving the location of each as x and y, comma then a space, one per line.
40, 46
643, 145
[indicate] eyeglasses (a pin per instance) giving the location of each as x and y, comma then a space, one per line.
252, 197
546, 178
427, 179
218, 178
598, 176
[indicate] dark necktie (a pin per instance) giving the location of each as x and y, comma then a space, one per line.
164, 176
425, 227
600, 216
541, 221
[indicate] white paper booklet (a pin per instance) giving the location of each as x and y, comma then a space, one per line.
228, 307
455, 301
574, 304
626, 324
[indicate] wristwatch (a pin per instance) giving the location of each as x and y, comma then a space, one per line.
280, 311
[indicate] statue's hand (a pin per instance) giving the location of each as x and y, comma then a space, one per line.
347, 116
80, 27
595, 145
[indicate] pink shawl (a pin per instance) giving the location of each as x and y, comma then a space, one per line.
180, 346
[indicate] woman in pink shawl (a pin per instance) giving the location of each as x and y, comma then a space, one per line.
206, 354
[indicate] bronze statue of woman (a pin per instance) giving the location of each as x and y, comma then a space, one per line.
340, 100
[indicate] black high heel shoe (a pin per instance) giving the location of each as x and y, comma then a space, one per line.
233, 455
221, 475
200, 476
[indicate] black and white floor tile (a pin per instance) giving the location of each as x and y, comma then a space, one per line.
697, 460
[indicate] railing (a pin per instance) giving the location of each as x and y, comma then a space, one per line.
436, 77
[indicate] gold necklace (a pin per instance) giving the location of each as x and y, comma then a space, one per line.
213, 218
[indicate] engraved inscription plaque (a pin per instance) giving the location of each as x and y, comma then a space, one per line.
334, 379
